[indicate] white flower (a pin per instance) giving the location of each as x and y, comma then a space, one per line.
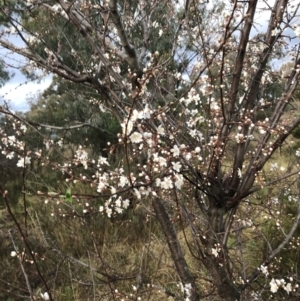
274, 166
155, 24
56, 8
288, 288
137, 194
108, 211
23, 128
60, 143
297, 153
118, 202
160, 32
178, 75
145, 114
113, 191
214, 106
176, 166
179, 181
187, 291
161, 130
175, 150
274, 32
240, 138
136, 137
127, 127
82, 157
119, 210
13, 254
264, 270
188, 156
297, 31
126, 204
273, 286
261, 130
103, 160
45, 296
147, 135
123, 181
10, 155
23, 161
160, 160
166, 183
215, 252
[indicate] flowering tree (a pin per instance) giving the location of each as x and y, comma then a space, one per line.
192, 86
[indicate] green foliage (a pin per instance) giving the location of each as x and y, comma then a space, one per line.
4, 75
68, 105
296, 133
68, 195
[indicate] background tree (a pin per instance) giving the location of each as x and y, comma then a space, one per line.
191, 86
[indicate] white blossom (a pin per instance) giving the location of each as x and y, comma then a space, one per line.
175, 150
136, 137
155, 24
23, 161
214, 106
166, 183
161, 130
176, 166
215, 252
240, 138
126, 204
123, 181
60, 143
127, 127
274, 166
275, 31
179, 181
264, 270
273, 286
10, 155
103, 160
187, 290
45, 296
82, 157
23, 128
137, 194
288, 288
160, 160
119, 210
297, 31
108, 211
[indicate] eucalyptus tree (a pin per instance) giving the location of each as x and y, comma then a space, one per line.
200, 134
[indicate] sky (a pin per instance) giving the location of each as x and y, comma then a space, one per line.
17, 91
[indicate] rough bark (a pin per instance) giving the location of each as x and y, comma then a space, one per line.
181, 266
219, 267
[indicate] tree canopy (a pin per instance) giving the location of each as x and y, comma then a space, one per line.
177, 114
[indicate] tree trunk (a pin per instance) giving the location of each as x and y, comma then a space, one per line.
218, 266
186, 277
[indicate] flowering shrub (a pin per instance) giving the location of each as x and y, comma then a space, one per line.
203, 117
